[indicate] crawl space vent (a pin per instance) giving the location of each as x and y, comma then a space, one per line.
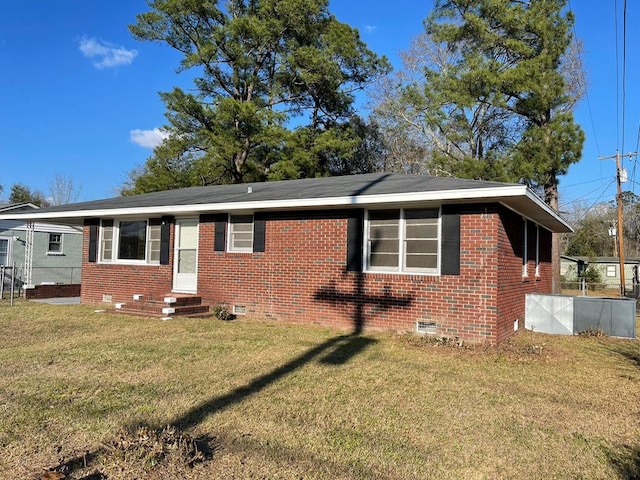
107, 298
239, 310
426, 327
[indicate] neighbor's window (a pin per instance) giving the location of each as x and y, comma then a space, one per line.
611, 270
240, 233
404, 240
130, 241
55, 243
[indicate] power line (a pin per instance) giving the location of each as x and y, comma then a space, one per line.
595, 202
601, 190
615, 15
624, 69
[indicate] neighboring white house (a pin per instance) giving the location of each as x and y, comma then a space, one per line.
41, 253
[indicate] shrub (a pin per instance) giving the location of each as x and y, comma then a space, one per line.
221, 312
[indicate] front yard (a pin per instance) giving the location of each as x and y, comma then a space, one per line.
103, 396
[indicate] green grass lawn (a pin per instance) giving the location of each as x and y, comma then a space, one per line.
89, 394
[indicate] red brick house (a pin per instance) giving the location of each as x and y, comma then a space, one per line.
380, 251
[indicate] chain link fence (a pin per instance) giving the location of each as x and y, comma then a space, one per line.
596, 289
13, 278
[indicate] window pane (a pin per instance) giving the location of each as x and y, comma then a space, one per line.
423, 261
422, 230
187, 261
384, 216
384, 246
241, 233
421, 246
383, 231
55, 242
154, 243
245, 245
421, 214
421, 239
384, 260
4, 251
132, 240
383, 238
107, 241
188, 236
240, 219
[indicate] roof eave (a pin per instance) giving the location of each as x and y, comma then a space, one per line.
516, 197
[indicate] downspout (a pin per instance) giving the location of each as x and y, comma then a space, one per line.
28, 255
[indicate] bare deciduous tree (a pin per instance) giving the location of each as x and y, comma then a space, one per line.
62, 190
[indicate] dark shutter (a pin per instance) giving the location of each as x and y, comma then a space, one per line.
94, 225
165, 233
450, 240
219, 240
355, 233
259, 226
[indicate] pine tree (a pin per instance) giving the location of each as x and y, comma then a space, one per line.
262, 66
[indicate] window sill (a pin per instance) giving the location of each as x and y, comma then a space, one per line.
405, 273
55, 254
130, 263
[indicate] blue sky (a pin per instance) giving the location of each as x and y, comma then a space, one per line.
80, 98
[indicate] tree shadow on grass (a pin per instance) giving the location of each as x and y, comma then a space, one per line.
628, 349
337, 351
334, 351
625, 460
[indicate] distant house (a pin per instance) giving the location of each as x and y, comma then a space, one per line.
572, 268
56, 250
380, 251
607, 267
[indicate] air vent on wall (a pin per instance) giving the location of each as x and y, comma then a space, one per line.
426, 327
239, 310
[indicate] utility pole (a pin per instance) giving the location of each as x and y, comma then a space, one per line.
621, 177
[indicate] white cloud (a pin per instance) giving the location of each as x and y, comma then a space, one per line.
105, 54
370, 28
148, 138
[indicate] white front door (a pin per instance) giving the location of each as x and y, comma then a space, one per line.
185, 271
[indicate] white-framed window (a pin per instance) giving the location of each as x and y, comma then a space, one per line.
130, 241
5, 250
537, 250
55, 244
525, 249
403, 240
612, 271
240, 233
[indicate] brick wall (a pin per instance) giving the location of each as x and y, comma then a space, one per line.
121, 282
301, 278
53, 291
512, 284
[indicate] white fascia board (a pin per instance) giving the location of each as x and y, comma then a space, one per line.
492, 193
543, 205
497, 194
